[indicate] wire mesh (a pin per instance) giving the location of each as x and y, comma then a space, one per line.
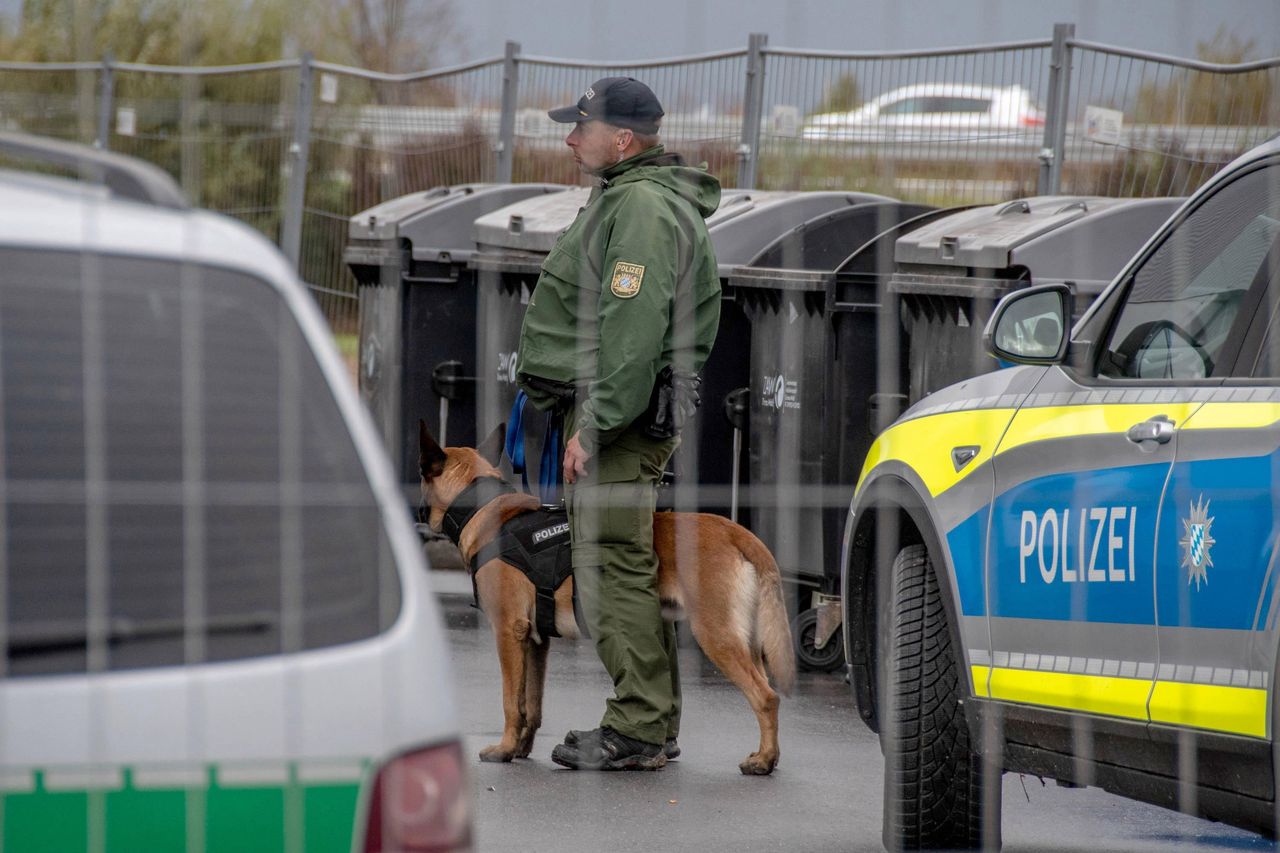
942, 128
375, 137
223, 137
51, 100
1140, 126
702, 98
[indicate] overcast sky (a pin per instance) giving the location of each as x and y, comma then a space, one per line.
653, 29
647, 29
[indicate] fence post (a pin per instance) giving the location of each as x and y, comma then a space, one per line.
299, 152
1055, 125
189, 169
506, 145
106, 94
752, 107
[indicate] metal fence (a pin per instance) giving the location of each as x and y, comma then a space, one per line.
296, 147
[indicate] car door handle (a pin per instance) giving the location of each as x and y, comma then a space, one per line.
1158, 429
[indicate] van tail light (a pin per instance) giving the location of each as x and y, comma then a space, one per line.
1032, 120
420, 803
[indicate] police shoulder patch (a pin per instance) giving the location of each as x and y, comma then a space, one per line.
626, 279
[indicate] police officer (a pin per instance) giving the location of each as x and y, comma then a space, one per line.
625, 309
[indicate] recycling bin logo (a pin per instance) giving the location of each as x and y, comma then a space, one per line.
507, 367
780, 394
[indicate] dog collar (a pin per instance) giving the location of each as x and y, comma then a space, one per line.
478, 492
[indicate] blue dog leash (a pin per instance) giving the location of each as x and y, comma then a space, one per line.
550, 459
514, 444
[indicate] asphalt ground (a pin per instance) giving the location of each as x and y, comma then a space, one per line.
824, 796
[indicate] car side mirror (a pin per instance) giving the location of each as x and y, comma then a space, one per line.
1030, 326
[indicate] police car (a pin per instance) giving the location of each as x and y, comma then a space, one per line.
1067, 568
216, 625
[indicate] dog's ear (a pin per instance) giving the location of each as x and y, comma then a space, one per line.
431, 457
490, 449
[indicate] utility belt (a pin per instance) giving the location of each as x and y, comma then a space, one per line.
675, 397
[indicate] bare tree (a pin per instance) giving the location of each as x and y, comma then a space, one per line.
397, 36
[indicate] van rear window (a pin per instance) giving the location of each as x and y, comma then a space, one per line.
177, 484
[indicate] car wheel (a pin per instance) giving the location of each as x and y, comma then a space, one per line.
933, 780
829, 658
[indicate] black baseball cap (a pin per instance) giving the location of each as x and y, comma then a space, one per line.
621, 101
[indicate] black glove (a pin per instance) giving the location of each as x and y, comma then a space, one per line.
674, 400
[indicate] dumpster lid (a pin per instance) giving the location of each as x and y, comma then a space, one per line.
1088, 251
876, 255
984, 237
760, 217
826, 241
530, 225
1092, 250
382, 221
741, 225
534, 225
438, 221
807, 256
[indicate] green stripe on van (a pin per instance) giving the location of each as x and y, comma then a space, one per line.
235, 818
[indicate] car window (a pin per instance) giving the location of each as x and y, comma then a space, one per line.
1266, 361
1183, 304
904, 106
959, 105
179, 485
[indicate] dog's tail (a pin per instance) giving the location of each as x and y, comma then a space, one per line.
773, 629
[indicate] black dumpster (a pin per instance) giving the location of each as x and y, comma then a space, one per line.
417, 355
951, 272
813, 300
512, 245
747, 224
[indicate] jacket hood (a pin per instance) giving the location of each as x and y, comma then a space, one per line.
691, 183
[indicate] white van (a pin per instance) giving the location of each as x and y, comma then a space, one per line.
217, 627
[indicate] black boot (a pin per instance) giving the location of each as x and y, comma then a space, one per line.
670, 748
606, 749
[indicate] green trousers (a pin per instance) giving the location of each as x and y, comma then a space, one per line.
615, 571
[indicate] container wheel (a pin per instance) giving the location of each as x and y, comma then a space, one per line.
804, 631
933, 786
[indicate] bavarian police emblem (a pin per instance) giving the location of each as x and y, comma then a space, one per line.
626, 279
1196, 542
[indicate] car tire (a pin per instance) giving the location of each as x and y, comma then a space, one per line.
933, 779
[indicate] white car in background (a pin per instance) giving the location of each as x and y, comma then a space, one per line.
934, 112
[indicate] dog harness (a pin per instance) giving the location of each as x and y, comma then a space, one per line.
535, 542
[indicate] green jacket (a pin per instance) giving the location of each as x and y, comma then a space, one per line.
630, 287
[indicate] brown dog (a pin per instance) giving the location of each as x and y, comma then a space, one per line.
711, 570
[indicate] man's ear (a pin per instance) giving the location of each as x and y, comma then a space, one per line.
490, 449
431, 456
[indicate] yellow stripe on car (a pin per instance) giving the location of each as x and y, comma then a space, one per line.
1051, 422
1219, 708
925, 444
1096, 694
1238, 710
1235, 416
